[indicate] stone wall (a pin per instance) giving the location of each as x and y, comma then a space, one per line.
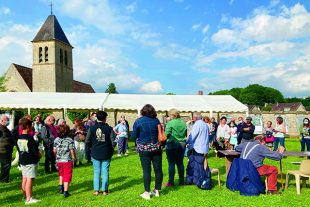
14, 82
292, 119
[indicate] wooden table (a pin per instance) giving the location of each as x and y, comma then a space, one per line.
230, 155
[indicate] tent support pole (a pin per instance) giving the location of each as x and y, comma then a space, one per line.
115, 117
28, 111
64, 113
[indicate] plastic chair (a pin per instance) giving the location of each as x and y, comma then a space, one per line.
216, 171
303, 172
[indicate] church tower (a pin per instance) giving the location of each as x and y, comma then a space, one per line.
52, 59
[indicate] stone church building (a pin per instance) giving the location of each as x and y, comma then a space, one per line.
52, 66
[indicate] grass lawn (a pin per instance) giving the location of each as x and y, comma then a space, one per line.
126, 185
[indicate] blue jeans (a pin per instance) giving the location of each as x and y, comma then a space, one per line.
276, 142
101, 167
306, 142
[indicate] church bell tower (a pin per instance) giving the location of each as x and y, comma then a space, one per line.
52, 68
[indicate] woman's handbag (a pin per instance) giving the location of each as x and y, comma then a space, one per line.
161, 134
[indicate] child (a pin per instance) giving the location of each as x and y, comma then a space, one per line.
29, 157
233, 140
65, 154
268, 132
122, 137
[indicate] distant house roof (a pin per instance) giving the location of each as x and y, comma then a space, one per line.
51, 30
287, 106
79, 87
26, 74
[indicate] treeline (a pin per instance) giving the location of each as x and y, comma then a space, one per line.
258, 95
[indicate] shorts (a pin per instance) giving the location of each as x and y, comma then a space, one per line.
65, 171
29, 171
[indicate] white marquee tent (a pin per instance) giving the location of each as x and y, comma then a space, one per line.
131, 102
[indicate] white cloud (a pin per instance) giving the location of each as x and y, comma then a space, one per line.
15, 45
274, 3
5, 10
205, 29
99, 13
151, 87
147, 38
195, 27
290, 78
290, 24
131, 8
174, 51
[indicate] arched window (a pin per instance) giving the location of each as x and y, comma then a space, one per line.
40, 55
61, 56
66, 58
46, 54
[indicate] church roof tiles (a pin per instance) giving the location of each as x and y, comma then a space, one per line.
51, 30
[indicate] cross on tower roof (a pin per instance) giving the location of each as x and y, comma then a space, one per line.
51, 5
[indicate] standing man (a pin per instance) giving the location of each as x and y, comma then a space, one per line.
199, 147
247, 130
100, 140
239, 134
91, 122
6, 148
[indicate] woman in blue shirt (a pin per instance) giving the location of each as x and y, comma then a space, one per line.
145, 132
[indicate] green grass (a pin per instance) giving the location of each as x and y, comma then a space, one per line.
126, 185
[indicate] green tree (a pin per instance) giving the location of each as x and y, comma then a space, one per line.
76, 115
235, 92
111, 88
258, 95
2, 86
170, 93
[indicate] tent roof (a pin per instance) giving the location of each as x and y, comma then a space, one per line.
50, 100
184, 103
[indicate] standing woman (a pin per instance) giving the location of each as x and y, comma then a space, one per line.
222, 134
279, 131
145, 132
176, 140
305, 135
79, 135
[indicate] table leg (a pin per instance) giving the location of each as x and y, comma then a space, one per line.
281, 175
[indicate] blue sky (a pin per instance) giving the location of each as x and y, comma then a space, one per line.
178, 46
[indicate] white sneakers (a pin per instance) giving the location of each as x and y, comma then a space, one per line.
147, 196
31, 201
155, 193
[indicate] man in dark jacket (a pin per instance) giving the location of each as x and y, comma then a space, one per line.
247, 130
6, 148
256, 151
100, 139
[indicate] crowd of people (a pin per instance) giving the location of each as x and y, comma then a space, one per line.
64, 148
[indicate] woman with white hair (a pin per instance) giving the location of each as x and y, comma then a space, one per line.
176, 132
